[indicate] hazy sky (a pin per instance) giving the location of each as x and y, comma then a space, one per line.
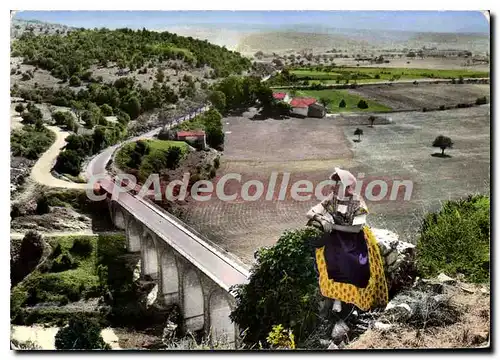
436, 21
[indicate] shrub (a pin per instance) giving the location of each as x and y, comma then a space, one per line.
479, 101
457, 240
281, 339
82, 246
42, 205
342, 104
282, 289
80, 334
217, 162
106, 110
362, 104
68, 162
173, 156
442, 107
19, 108
75, 81
63, 262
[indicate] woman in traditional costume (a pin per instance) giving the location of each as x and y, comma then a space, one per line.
348, 259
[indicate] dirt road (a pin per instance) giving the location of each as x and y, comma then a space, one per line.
41, 172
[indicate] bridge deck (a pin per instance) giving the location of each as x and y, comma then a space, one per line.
214, 263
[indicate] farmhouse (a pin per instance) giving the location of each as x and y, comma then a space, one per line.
307, 107
281, 97
195, 137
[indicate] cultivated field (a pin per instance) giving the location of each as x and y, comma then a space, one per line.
310, 148
409, 96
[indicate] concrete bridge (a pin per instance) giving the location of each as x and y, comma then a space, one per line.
188, 270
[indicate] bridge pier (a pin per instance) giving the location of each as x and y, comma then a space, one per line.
205, 305
149, 256
133, 234
169, 276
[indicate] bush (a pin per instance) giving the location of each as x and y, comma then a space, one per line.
82, 247
80, 334
63, 262
75, 81
19, 108
457, 240
442, 107
217, 162
479, 101
282, 289
42, 205
68, 162
106, 110
342, 104
362, 104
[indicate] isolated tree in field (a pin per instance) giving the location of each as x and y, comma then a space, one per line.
342, 103
358, 132
442, 142
80, 334
372, 120
19, 108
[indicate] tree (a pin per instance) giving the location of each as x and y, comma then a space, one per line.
160, 76
68, 162
362, 104
358, 132
442, 142
106, 110
342, 104
80, 334
19, 108
372, 120
42, 205
218, 99
324, 101
75, 81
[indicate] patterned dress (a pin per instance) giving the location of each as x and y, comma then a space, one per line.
375, 293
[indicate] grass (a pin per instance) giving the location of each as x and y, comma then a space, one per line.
368, 74
336, 96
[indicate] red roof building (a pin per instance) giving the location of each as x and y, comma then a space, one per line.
279, 96
302, 102
193, 133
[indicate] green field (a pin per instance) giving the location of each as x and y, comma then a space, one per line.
336, 97
370, 74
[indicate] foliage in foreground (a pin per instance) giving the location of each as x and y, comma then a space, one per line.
457, 240
282, 290
81, 334
31, 142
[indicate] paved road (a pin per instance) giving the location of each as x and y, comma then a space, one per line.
97, 165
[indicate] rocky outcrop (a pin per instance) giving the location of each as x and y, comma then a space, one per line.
399, 259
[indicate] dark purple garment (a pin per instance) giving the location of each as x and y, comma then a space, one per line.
346, 257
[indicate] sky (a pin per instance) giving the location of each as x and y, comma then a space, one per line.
422, 21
